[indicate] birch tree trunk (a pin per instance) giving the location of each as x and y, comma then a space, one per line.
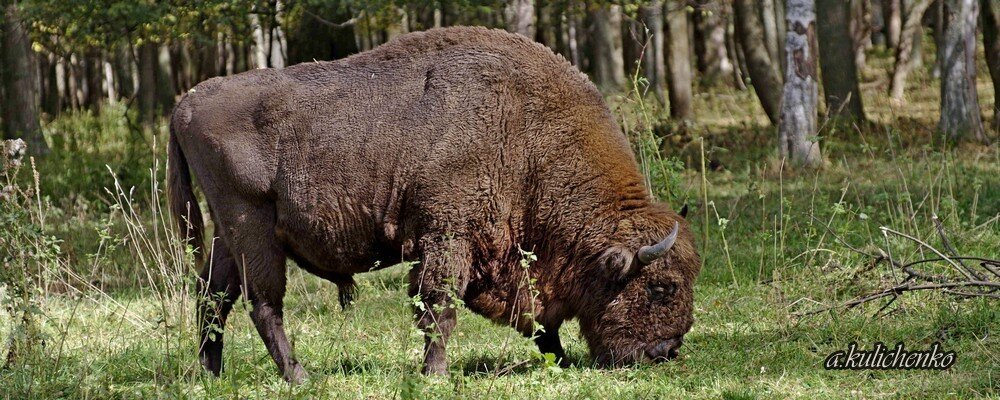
520, 17
20, 83
798, 108
907, 44
654, 66
960, 117
836, 54
763, 74
572, 44
109, 80
259, 42
278, 47
608, 63
991, 41
678, 61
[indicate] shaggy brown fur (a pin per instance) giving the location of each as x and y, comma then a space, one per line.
452, 147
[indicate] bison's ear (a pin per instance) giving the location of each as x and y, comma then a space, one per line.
684, 211
618, 261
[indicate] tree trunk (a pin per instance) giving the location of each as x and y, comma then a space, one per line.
917, 52
763, 74
21, 84
770, 24
991, 42
92, 74
123, 73
798, 108
109, 81
50, 85
860, 32
146, 95
260, 42
633, 38
398, 26
277, 49
836, 52
571, 39
165, 92
780, 17
608, 64
73, 82
892, 12
960, 117
736, 56
520, 17
678, 61
711, 52
548, 26
654, 67
939, 28
907, 42
877, 22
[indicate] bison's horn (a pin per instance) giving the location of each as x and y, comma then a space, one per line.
648, 254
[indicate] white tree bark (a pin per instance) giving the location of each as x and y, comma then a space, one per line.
259, 42
959, 105
278, 49
109, 81
797, 129
520, 17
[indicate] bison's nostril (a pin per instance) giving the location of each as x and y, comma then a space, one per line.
665, 350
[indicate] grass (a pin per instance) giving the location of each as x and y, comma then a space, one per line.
112, 301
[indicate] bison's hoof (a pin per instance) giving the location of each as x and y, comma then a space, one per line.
296, 374
436, 369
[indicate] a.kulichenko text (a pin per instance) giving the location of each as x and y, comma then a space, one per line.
882, 357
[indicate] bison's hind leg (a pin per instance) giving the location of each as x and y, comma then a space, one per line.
218, 289
249, 231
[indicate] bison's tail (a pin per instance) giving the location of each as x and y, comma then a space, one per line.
183, 204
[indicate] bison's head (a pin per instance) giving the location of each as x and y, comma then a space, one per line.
642, 309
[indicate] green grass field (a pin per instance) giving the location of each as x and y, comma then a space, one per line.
99, 303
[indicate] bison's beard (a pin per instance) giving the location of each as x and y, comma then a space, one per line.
608, 358
607, 352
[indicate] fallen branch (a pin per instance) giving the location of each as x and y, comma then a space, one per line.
974, 283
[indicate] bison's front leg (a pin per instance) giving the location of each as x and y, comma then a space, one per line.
436, 282
548, 342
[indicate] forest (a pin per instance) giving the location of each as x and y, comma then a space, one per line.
837, 162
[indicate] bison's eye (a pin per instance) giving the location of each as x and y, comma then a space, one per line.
660, 292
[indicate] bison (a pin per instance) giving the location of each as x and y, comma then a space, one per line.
456, 148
